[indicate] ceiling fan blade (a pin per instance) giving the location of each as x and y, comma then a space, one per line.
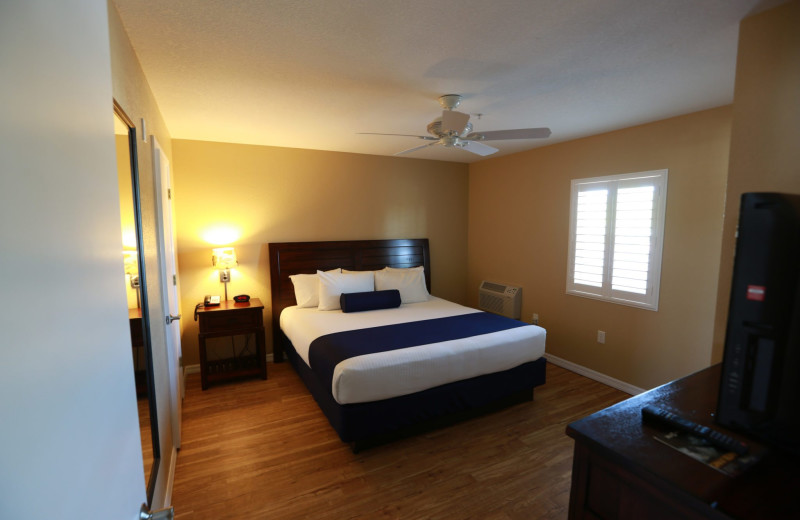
425, 137
416, 148
522, 133
453, 121
478, 148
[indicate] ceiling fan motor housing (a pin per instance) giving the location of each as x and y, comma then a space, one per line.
450, 101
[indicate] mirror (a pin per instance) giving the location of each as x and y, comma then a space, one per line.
134, 279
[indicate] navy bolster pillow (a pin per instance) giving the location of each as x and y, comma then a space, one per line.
370, 300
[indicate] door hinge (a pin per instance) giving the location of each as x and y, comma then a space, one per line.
161, 514
174, 279
169, 193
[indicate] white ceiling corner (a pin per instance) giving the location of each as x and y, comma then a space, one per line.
314, 73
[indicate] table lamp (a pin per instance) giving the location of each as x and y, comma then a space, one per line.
224, 258
132, 269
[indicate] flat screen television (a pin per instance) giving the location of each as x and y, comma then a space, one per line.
760, 386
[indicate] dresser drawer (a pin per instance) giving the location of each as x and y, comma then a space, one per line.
224, 321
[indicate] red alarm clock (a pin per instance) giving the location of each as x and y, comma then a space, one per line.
242, 298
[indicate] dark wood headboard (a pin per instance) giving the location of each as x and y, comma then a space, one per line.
288, 258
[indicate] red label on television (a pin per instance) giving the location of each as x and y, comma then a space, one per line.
756, 292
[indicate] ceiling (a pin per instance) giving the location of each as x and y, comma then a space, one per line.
314, 73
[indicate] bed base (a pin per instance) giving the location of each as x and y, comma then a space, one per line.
365, 425
368, 424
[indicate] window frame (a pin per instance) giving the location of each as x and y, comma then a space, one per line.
649, 300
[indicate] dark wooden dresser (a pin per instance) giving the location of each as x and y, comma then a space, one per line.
621, 471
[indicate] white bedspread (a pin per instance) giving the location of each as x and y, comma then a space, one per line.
383, 375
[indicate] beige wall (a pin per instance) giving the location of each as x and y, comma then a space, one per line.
518, 227
765, 137
132, 92
248, 196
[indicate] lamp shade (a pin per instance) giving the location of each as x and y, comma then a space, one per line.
131, 262
224, 258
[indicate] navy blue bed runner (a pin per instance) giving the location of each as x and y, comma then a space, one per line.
327, 351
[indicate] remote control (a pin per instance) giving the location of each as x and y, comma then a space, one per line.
718, 439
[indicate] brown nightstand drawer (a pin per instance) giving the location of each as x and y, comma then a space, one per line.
223, 321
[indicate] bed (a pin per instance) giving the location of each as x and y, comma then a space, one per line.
500, 361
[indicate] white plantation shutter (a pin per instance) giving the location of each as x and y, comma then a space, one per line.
633, 233
616, 237
590, 237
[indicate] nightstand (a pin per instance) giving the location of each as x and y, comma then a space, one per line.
232, 319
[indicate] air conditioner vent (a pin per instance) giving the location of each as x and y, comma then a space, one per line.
502, 299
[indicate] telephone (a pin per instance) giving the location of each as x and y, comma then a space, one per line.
208, 301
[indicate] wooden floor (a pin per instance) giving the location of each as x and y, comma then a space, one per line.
262, 449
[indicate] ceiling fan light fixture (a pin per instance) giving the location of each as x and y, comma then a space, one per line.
435, 129
450, 141
453, 130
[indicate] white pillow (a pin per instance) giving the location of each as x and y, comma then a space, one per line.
332, 285
410, 283
306, 288
347, 271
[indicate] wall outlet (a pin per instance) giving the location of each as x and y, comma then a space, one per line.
535, 319
601, 336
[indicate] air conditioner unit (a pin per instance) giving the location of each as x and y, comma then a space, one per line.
505, 300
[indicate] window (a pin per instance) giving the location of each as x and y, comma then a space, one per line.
616, 233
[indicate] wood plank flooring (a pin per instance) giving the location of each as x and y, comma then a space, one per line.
263, 450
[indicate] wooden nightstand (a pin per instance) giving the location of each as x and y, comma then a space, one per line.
231, 319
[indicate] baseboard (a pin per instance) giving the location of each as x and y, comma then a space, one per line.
592, 374
171, 478
195, 369
162, 495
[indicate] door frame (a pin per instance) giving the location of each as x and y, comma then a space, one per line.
169, 282
146, 328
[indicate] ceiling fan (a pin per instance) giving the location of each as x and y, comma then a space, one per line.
453, 130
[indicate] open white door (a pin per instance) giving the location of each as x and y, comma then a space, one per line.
169, 283
70, 445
